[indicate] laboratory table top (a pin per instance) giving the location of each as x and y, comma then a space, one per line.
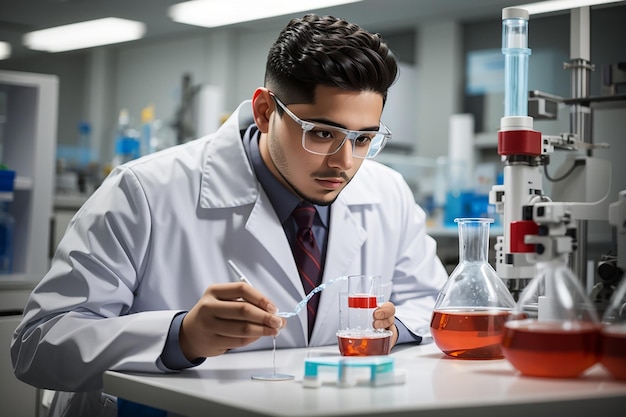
434, 385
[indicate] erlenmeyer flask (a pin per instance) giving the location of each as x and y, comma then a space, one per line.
473, 305
557, 330
613, 340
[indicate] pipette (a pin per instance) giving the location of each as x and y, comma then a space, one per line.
240, 274
274, 376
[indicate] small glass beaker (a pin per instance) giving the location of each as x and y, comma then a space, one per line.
613, 335
474, 303
357, 335
555, 330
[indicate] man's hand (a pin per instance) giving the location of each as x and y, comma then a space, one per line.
384, 317
227, 316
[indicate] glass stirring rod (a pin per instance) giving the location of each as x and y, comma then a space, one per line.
274, 376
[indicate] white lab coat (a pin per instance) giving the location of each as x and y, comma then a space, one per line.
158, 232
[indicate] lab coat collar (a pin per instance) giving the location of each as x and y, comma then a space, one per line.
227, 176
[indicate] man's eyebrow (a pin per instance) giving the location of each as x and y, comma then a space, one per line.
335, 124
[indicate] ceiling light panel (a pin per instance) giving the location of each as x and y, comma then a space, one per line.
88, 34
556, 5
214, 13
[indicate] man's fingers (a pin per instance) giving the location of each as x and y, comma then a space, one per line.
243, 291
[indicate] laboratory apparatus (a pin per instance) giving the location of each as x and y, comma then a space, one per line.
345, 372
474, 304
520, 147
274, 376
555, 331
127, 141
357, 335
536, 225
613, 335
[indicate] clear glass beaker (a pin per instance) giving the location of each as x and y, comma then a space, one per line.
357, 335
473, 305
613, 335
557, 330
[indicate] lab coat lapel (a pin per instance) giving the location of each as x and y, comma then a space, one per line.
264, 226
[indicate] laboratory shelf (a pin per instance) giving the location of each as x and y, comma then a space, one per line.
28, 148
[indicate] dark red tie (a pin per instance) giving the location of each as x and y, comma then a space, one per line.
307, 256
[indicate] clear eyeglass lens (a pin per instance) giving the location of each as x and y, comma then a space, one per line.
327, 141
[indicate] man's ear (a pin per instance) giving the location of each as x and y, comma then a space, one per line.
262, 108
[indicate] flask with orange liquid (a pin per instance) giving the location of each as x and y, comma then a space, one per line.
472, 307
559, 332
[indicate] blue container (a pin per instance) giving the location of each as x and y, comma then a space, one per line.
458, 205
7, 179
7, 222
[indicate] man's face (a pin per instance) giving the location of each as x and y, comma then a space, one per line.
319, 178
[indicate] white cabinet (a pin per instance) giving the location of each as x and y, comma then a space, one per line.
28, 134
28, 147
16, 397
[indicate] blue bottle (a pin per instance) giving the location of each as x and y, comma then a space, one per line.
7, 221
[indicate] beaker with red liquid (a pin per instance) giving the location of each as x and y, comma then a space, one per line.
558, 333
613, 334
473, 305
357, 335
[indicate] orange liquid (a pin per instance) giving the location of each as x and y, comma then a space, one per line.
469, 334
361, 301
551, 349
613, 351
364, 346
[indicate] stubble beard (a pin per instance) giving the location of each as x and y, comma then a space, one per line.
279, 160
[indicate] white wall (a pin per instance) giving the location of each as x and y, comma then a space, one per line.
152, 74
440, 67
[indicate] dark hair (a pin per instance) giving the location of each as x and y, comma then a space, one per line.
314, 50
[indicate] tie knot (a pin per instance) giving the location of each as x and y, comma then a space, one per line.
304, 215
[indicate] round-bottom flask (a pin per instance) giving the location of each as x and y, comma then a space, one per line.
613, 335
557, 332
474, 304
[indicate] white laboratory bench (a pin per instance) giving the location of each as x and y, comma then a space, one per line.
434, 386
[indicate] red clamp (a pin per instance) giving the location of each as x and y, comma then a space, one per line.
519, 230
519, 142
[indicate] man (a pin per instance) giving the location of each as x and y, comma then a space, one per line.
140, 281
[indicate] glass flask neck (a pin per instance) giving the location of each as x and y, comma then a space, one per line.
473, 239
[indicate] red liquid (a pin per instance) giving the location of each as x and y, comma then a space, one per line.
613, 351
361, 301
364, 346
551, 349
469, 334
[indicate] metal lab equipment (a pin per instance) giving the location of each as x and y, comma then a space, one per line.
613, 339
538, 227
